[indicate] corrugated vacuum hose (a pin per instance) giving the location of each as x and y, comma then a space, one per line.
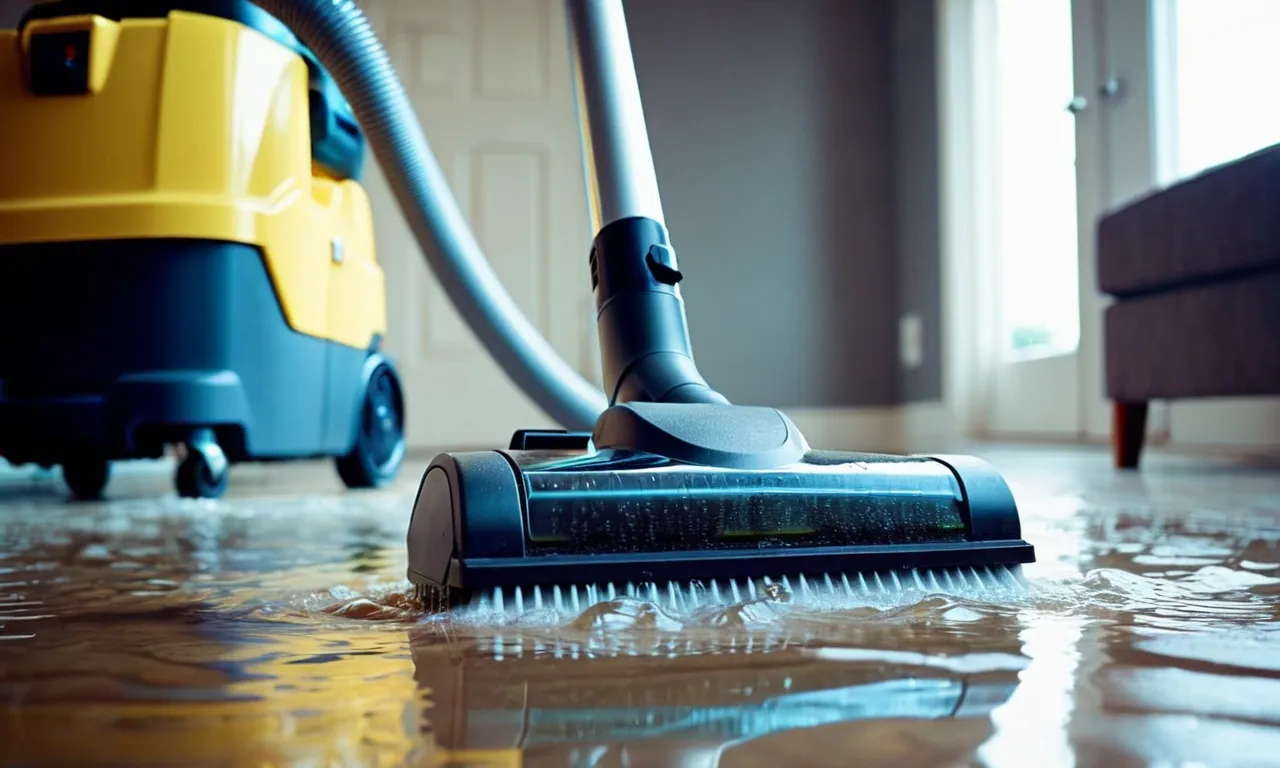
345, 43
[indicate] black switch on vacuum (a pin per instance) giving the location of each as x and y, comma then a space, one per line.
60, 63
662, 265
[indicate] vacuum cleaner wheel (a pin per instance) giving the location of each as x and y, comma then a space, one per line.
379, 449
204, 472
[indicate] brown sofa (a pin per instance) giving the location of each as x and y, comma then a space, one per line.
1195, 273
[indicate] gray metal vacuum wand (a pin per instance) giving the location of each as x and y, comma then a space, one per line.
621, 182
659, 402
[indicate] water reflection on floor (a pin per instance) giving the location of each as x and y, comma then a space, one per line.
273, 629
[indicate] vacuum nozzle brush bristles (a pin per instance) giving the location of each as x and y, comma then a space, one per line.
831, 591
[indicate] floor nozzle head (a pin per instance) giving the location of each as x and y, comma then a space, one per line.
706, 434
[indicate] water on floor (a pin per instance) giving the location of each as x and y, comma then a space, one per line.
273, 628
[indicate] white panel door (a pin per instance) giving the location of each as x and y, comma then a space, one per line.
491, 83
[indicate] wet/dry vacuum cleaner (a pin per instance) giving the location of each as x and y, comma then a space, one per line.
660, 481
186, 250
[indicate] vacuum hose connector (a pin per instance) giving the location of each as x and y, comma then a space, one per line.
344, 42
644, 335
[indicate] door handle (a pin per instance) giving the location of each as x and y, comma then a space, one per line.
1108, 90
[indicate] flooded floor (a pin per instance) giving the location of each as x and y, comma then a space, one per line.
272, 628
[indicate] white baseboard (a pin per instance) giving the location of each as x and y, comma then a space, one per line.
1245, 423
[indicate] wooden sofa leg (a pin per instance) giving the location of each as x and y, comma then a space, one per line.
1128, 429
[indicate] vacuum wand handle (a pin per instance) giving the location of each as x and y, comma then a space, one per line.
618, 162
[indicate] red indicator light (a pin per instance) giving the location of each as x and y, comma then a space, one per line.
69, 52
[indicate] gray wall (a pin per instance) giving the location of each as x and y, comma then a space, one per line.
796, 146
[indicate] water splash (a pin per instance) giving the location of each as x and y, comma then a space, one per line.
1191, 600
745, 599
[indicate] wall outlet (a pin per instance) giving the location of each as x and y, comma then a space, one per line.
911, 340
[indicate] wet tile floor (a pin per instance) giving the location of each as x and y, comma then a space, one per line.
273, 628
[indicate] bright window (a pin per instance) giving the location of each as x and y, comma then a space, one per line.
1226, 55
1037, 234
